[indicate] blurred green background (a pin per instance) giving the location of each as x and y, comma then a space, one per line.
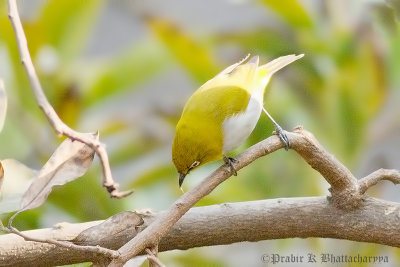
127, 67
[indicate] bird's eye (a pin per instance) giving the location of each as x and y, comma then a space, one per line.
194, 164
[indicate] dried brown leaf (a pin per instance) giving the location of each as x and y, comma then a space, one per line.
70, 161
15, 181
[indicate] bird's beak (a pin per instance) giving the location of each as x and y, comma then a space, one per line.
181, 178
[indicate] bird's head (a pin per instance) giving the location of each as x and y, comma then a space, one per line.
187, 151
184, 169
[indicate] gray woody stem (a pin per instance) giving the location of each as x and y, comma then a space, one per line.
344, 187
59, 126
375, 221
370, 220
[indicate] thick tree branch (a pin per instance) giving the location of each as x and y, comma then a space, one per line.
374, 221
344, 187
59, 126
151, 236
334, 172
368, 220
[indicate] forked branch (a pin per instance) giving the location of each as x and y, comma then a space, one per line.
370, 220
345, 192
376, 221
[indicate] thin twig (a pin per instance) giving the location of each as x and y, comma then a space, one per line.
152, 257
59, 126
94, 249
378, 175
62, 129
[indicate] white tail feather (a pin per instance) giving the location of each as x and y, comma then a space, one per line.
279, 63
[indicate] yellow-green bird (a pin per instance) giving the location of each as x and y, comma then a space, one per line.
222, 113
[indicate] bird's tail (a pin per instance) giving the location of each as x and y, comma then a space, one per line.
277, 64
265, 72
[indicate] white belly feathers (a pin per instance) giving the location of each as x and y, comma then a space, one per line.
238, 127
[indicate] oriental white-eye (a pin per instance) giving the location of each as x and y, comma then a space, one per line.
222, 113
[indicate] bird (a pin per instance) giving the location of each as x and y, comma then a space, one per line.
223, 112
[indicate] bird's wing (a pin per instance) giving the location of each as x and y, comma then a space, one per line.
241, 74
217, 103
233, 66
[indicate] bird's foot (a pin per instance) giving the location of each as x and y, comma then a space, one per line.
282, 135
278, 130
229, 161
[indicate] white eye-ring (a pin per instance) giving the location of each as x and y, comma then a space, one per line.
195, 164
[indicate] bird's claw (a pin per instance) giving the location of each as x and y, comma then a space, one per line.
282, 135
229, 161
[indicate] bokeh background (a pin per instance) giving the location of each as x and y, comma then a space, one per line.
126, 68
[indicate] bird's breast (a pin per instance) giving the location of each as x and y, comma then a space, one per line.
238, 127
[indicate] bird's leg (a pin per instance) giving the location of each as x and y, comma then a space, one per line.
229, 161
278, 130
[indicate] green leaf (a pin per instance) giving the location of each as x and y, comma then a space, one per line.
197, 258
96, 205
151, 176
386, 16
195, 57
395, 5
130, 68
3, 104
291, 11
15, 180
17, 80
394, 60
67, 24
70, 161
262, 40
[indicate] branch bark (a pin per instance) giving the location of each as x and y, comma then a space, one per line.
364, 219
374, 221
353, 217
344, 187
346, 214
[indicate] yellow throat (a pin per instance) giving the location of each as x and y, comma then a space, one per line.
222, 113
